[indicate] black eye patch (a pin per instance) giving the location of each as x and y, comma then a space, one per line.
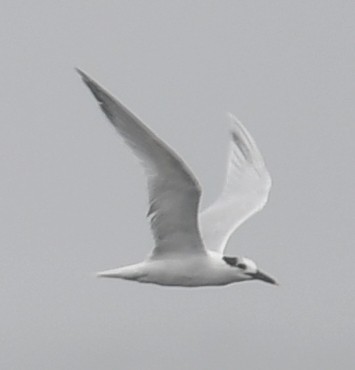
242, 266
231, 261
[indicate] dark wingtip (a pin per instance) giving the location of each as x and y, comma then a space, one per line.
78, 70
83, 75
95, 88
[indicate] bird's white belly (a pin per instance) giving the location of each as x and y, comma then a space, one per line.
186, 273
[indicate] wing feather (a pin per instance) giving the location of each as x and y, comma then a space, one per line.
174, 192
245, 192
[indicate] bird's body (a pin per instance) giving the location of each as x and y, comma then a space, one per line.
195, 271
189, 245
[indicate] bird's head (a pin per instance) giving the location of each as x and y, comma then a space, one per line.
247, 269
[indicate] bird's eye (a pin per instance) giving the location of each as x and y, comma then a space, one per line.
242, 266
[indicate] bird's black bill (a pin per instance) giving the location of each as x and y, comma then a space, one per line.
261, 276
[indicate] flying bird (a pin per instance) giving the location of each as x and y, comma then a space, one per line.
189, 245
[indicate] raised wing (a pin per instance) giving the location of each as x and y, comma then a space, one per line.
174, 193
245, 191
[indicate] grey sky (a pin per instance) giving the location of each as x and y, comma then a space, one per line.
74, 201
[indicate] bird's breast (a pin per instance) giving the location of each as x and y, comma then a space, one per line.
187, 272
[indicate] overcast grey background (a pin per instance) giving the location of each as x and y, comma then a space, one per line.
73, 197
